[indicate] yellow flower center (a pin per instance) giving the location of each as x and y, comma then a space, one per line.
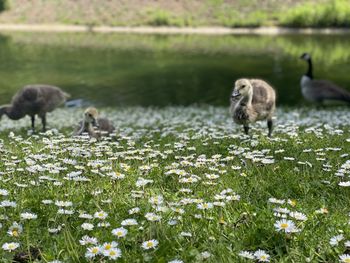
149, 244
11, 246
15, 233
347, 260
112, 253
119, 233
293, 203
94, 250
108, 246
263, 257
284, 225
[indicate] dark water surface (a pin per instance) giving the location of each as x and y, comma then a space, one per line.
121, 69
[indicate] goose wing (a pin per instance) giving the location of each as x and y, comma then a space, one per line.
327, 90
52, 96
263, 93
105, 125
29, 99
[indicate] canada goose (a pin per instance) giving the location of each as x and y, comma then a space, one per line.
252, 100
91, 120
34, 100
320, 90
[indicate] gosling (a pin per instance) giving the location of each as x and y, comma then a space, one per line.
34, 100
91, 120
252, 100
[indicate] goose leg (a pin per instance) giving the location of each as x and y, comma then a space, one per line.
43, 121
246, 128
270, 126
33, 122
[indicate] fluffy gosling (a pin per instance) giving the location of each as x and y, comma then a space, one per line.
252, 100
90, 121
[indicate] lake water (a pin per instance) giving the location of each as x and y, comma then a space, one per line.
158, 70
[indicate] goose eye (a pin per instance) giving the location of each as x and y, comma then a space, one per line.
243, 86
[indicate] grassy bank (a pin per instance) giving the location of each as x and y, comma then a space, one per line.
183, 177
231, 13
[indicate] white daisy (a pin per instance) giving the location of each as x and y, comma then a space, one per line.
345, 258
15, 230
119, 232
10, 246
246, 254
153, 217
101, 215
93, 252
87, 226
262, 256
86, 240
113, 253
298, 216
205, 206
175, 261
129, 222
205, 255
4, 192
108, 245
28, 216
150, 244
336, 239
287, 226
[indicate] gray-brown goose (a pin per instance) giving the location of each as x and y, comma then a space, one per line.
320, 90
34, 100
252, 100
90, 121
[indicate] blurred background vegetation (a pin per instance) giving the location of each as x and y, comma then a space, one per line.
4, 5
180, 13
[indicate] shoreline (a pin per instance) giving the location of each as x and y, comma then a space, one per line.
170, 30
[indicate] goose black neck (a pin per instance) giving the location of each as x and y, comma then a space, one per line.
309, 70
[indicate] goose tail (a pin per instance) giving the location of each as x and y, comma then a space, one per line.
66, 95
346, 97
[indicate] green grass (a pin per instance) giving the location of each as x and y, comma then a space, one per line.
233, 13
334, 13
159, 17
161, 144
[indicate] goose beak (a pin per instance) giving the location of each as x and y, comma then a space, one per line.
95, 123
235, 94
305, 56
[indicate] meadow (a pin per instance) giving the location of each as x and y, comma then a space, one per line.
178, 184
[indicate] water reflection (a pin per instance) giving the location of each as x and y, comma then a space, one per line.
117, 69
